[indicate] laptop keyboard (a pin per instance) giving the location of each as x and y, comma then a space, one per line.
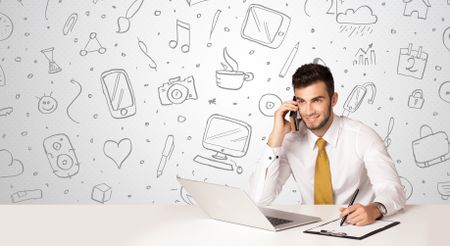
277, 221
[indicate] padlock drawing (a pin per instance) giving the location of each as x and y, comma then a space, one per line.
416, 99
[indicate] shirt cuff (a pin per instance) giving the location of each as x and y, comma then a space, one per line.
270, 155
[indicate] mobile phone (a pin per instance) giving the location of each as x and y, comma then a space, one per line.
119, 93
294, 118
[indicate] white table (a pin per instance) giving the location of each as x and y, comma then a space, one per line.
184, 225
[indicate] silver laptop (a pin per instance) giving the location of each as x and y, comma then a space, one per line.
233, 205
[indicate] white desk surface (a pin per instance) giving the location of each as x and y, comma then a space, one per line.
152, 225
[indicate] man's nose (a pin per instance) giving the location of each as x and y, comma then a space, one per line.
308, 109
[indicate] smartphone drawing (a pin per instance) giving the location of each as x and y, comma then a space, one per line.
119, 93
295, 119
265, 26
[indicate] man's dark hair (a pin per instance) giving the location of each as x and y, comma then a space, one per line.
309, 74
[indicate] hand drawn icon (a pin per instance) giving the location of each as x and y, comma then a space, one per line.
194, 2
186, 197
269, 103
47, 104
123, 22
412, 63
70, 24
61, 155
431, 148
143, 48
25, 195
230, 77
387, 140
365, 57
354, 21
177, 91
9, 167
169, 146
443, 189
265, 26
183, 36
46, 9
75, 98
52, 66
19, 1
416, 99
92, 45
2, 77
227, 137
288, 62
119, 93
356, 97
318, 7
214, 22
363, 15
446, 38
420, 7
319, 60
6, 27
407, 187
6, 111
444, 91
118, 151
101, 193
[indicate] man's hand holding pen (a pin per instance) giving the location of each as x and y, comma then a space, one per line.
358, 214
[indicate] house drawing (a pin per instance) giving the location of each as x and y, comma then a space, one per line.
418, 6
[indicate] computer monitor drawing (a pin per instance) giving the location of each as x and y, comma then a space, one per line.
226, 137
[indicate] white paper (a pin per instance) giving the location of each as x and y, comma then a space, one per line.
350, 230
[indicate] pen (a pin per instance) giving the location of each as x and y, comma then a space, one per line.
351, 203
288, 61
167, 152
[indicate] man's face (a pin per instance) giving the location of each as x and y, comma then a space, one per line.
315, 105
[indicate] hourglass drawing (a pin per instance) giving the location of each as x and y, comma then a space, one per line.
52, 66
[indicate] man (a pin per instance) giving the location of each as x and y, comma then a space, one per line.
329, 156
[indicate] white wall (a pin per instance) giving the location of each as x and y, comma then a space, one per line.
28, 90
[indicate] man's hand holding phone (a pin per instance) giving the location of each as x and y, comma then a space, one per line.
281, 126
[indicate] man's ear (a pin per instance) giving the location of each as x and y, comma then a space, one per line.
334, 99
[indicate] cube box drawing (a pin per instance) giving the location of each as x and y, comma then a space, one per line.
101, 193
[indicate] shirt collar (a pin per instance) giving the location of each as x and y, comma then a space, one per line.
331, 135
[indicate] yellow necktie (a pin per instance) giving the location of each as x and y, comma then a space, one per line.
323, 191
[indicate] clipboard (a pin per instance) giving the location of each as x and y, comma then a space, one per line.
333, 229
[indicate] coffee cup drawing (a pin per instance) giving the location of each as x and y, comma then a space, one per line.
230, 77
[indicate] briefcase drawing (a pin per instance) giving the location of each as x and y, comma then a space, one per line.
431, 148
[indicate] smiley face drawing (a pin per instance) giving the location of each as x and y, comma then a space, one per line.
446, 38
47, 104
6, 27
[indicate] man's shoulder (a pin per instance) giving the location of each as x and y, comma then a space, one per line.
358, 127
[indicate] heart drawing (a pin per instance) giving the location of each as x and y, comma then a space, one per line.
118, 152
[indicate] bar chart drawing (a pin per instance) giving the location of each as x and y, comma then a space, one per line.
365, 57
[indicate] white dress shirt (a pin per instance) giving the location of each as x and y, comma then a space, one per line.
358, 159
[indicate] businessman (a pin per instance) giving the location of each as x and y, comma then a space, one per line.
329, 157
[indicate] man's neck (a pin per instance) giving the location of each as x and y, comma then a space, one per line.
320, 132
